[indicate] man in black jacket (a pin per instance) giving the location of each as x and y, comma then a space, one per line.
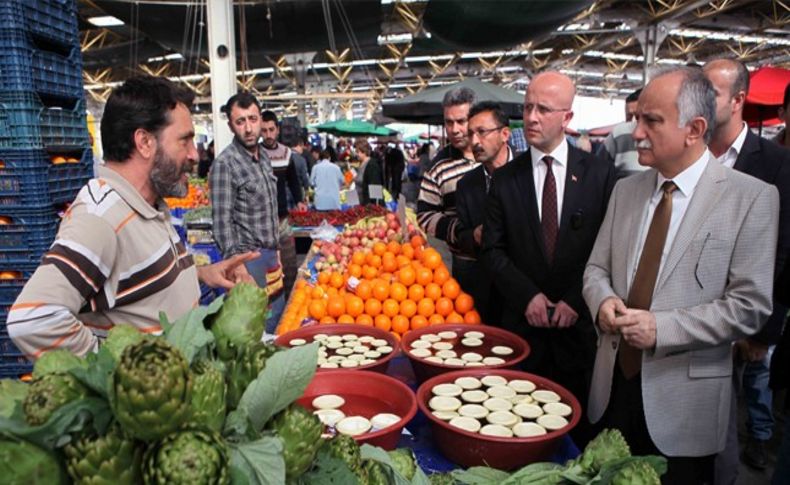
488, 134
542, 217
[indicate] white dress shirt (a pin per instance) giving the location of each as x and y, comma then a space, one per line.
559, 167
729, 157
686, 181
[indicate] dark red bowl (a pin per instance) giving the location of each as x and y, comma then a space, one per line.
309, 332
366, 394
424, 369
472, 449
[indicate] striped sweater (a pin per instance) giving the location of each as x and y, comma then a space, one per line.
115, 260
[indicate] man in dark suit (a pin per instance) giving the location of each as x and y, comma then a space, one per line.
735, 146
542, 216
488, 134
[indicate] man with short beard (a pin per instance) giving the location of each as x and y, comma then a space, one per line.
116, 258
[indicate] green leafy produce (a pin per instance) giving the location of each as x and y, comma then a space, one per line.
22, 463
188, 334
110, 459
56, 361
208, 395
250, 361
121, 336
48, 393
375, 473
636, 472
12, 394
403, 462
300, 432
346, 449
151, 390
241, 320
609, 445
442, 479
188, 457
258, 462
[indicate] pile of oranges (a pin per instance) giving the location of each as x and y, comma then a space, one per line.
394, 287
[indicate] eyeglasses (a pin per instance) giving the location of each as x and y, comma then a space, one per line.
483, 132
542, 110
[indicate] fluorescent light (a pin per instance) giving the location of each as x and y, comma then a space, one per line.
170, 57
106, 21
395, 38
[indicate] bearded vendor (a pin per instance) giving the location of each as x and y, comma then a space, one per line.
117, 258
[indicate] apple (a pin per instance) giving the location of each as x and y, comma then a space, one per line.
345, 251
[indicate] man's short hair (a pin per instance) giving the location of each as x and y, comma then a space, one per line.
633, 97
243, 100
363, 146
492, 107
786, 101
696, 97
269, 115
741, 81
140, 102
456, 96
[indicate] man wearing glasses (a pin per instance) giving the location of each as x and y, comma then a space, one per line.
542, 216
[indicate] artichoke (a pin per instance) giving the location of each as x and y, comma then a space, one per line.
12, 395
241, 320
403, 462
250, 361
346, 449
190, 457
121, 336
442, 479
637, 472
374, 473
151, 390
59, 360
22, 463
208, 395
109, 459
609, 445
48, 393
300, 432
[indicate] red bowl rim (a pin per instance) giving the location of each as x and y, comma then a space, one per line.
413, 335
337, 328
356, 375
426, 386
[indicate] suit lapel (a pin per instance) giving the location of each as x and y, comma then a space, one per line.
573, 177
705, 198
745, 161
526, 187
633, 220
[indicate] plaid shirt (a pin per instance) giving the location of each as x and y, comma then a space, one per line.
244, 201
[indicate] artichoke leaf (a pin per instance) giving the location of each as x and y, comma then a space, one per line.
375, 453
12, 393
97, 375
328, 470
188, 334
259, 462
480, 475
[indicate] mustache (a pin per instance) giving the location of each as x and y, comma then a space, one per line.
644, 144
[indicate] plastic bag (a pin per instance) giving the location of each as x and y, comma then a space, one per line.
324, 232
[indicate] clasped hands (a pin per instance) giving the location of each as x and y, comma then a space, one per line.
538, 309
637, 327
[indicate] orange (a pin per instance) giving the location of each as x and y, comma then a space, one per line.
396, 335
431, 258
336, 306
345, 318
390, 307
317, 293
433, 291
393, 247
379, 248
451, 289
418, 253
407, 250
355, 270
400, 324
426, 307
417, 241
317, 309
358, 258
398, 292
408, 308
416, 293
364, 290
381, 290
464, 303
444, 306
389, 264
441, 275
355, 306
472, 317
337, 280
383, 322
435, 319
331, 291
454, 318
402, 260
363, 319
369, 272
327, 319
418, 322
424, 276
372, 307
323, 277
407, 275
300, 283
375, 261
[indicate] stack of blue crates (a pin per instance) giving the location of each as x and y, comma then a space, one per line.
45, 155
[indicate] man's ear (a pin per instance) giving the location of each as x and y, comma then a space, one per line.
697, 128
145, 143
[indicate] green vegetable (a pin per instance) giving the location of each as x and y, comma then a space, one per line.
374, 473
151, 390
110, 459
121, 336
442, 479
54, 361
12, 394
208, 395
609, 445
48, 393
300, 432
637, 472
22, 463
250, 361
346, 449
241, 320
403, 462
189, 457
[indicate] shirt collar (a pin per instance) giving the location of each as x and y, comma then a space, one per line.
246, 153
687, 180
130, 195
559, 154
737, 145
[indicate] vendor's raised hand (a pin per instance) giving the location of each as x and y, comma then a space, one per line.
224, 273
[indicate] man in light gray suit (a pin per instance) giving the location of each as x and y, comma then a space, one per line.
682, 266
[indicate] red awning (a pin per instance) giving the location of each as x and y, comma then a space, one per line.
766, 92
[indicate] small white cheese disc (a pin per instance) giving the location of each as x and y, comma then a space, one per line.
447, 390
336, 359
421, 353
552, 422
497, 404
344, 351
493, 361
366, 339
501, 350
471, 357
366, 361
357, 357
446, 354
444, 403
372, 354
472, 342
493, 381
545, 396
384, 420
474, 334
442, 346
328, 401
350, 336
469, 383
379, 342
475, 396
361, 349
522, 386
473, 411
421, 344
350, 344
334, 338
348, 363
557, 409
296, 342
522, 398
447, 335
528, 411
328, 365
353, 425
435, 359
466, 423
505, 418
320, 337
330, 417
385, 349
445, 415
475, 364
504, 392
430, 337
528, 430
496, 430
454, 362
334, 345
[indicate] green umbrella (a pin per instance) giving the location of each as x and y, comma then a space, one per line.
354, 128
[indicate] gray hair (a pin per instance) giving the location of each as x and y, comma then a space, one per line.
456, 96
696, 97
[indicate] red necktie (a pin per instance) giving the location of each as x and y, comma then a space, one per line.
548, 220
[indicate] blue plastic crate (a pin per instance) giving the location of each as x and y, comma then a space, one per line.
26, 123
52, 21
10, 288
23, 174
66, 180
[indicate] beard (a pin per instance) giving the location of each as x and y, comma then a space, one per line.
166, 176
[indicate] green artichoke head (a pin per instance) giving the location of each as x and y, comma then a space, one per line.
121, 336
249, 362
300, 432
208, 395
151, 390
636, 473
112, 459
442, 479
22, 463
609, 445
187, 457
345, 448
48, 393
241, 320
58, 360
404, 462
374, 473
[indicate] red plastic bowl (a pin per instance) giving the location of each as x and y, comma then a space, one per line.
424, 369
366, 394
472, 449
311, 331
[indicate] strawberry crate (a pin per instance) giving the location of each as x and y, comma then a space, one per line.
50, 21
26, 123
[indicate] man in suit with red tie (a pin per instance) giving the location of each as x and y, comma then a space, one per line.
542, 215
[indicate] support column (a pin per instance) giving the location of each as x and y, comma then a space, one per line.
651, 37
222, 59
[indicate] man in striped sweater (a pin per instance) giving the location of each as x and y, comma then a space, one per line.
436, 211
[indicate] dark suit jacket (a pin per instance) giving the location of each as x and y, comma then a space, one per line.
470, 200
514, 251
